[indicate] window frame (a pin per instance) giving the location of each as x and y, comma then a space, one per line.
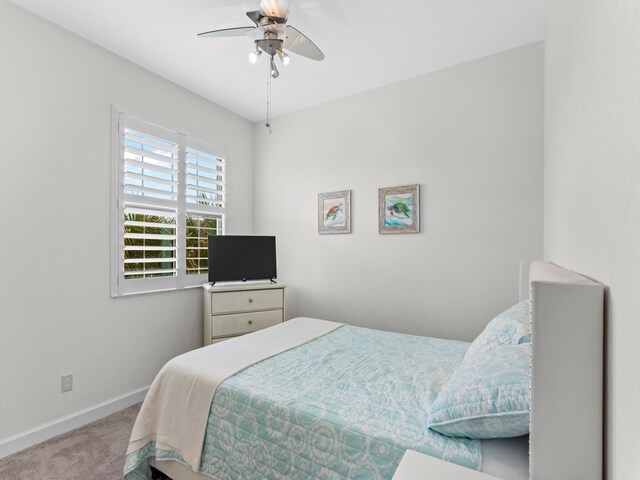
181, 280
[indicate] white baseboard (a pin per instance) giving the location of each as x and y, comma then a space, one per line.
62, 425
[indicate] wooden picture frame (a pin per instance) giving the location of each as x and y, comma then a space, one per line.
399, 209
334, 212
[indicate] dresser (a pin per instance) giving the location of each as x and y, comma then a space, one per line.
230, 311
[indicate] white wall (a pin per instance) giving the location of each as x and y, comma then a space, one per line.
472, 137
592, 187
56, 313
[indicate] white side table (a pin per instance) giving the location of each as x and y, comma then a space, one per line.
417, 466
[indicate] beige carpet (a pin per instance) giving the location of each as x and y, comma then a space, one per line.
93, 452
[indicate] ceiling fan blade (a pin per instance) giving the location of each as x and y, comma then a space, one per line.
256, 33
299, 43
275, 8
227, 32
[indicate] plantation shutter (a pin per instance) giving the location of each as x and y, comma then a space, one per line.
171, 196
205, 201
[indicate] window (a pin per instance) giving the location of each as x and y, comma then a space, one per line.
170, 195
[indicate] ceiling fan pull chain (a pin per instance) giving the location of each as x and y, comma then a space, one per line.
268, 124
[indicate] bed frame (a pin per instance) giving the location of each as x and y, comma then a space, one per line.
566, 439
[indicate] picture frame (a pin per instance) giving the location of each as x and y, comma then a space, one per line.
334, 212
399, 209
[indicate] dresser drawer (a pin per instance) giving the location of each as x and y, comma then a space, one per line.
245, 301
239, 323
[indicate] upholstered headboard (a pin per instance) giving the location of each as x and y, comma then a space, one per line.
566, 440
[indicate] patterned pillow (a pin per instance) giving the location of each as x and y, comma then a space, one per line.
511, 327
488, 396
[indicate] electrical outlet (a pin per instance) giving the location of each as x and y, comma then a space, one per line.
66, 382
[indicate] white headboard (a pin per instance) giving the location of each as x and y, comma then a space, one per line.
566, 440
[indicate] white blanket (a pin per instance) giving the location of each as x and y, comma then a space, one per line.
176, 409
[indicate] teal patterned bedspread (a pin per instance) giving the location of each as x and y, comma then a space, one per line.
346, 405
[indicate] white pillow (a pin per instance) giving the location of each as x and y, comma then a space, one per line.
488, 396
511, 327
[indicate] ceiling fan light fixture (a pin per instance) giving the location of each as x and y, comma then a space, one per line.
269, 34
286, 59
254, 55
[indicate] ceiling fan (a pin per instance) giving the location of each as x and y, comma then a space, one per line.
272, 35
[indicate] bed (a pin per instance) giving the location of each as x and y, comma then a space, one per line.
329, 400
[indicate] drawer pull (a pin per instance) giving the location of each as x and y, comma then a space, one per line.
250, 322
251, 300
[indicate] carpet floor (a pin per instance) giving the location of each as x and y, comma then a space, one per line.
93, 452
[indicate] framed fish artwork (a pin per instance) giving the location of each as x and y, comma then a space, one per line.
399, 209
334, 212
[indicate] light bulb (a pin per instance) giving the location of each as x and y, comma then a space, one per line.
284, 58
254, 55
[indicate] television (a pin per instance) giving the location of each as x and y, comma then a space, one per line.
241, 258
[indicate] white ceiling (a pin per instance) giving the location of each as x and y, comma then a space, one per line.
367, 43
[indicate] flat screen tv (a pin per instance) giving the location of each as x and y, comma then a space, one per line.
241, 258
